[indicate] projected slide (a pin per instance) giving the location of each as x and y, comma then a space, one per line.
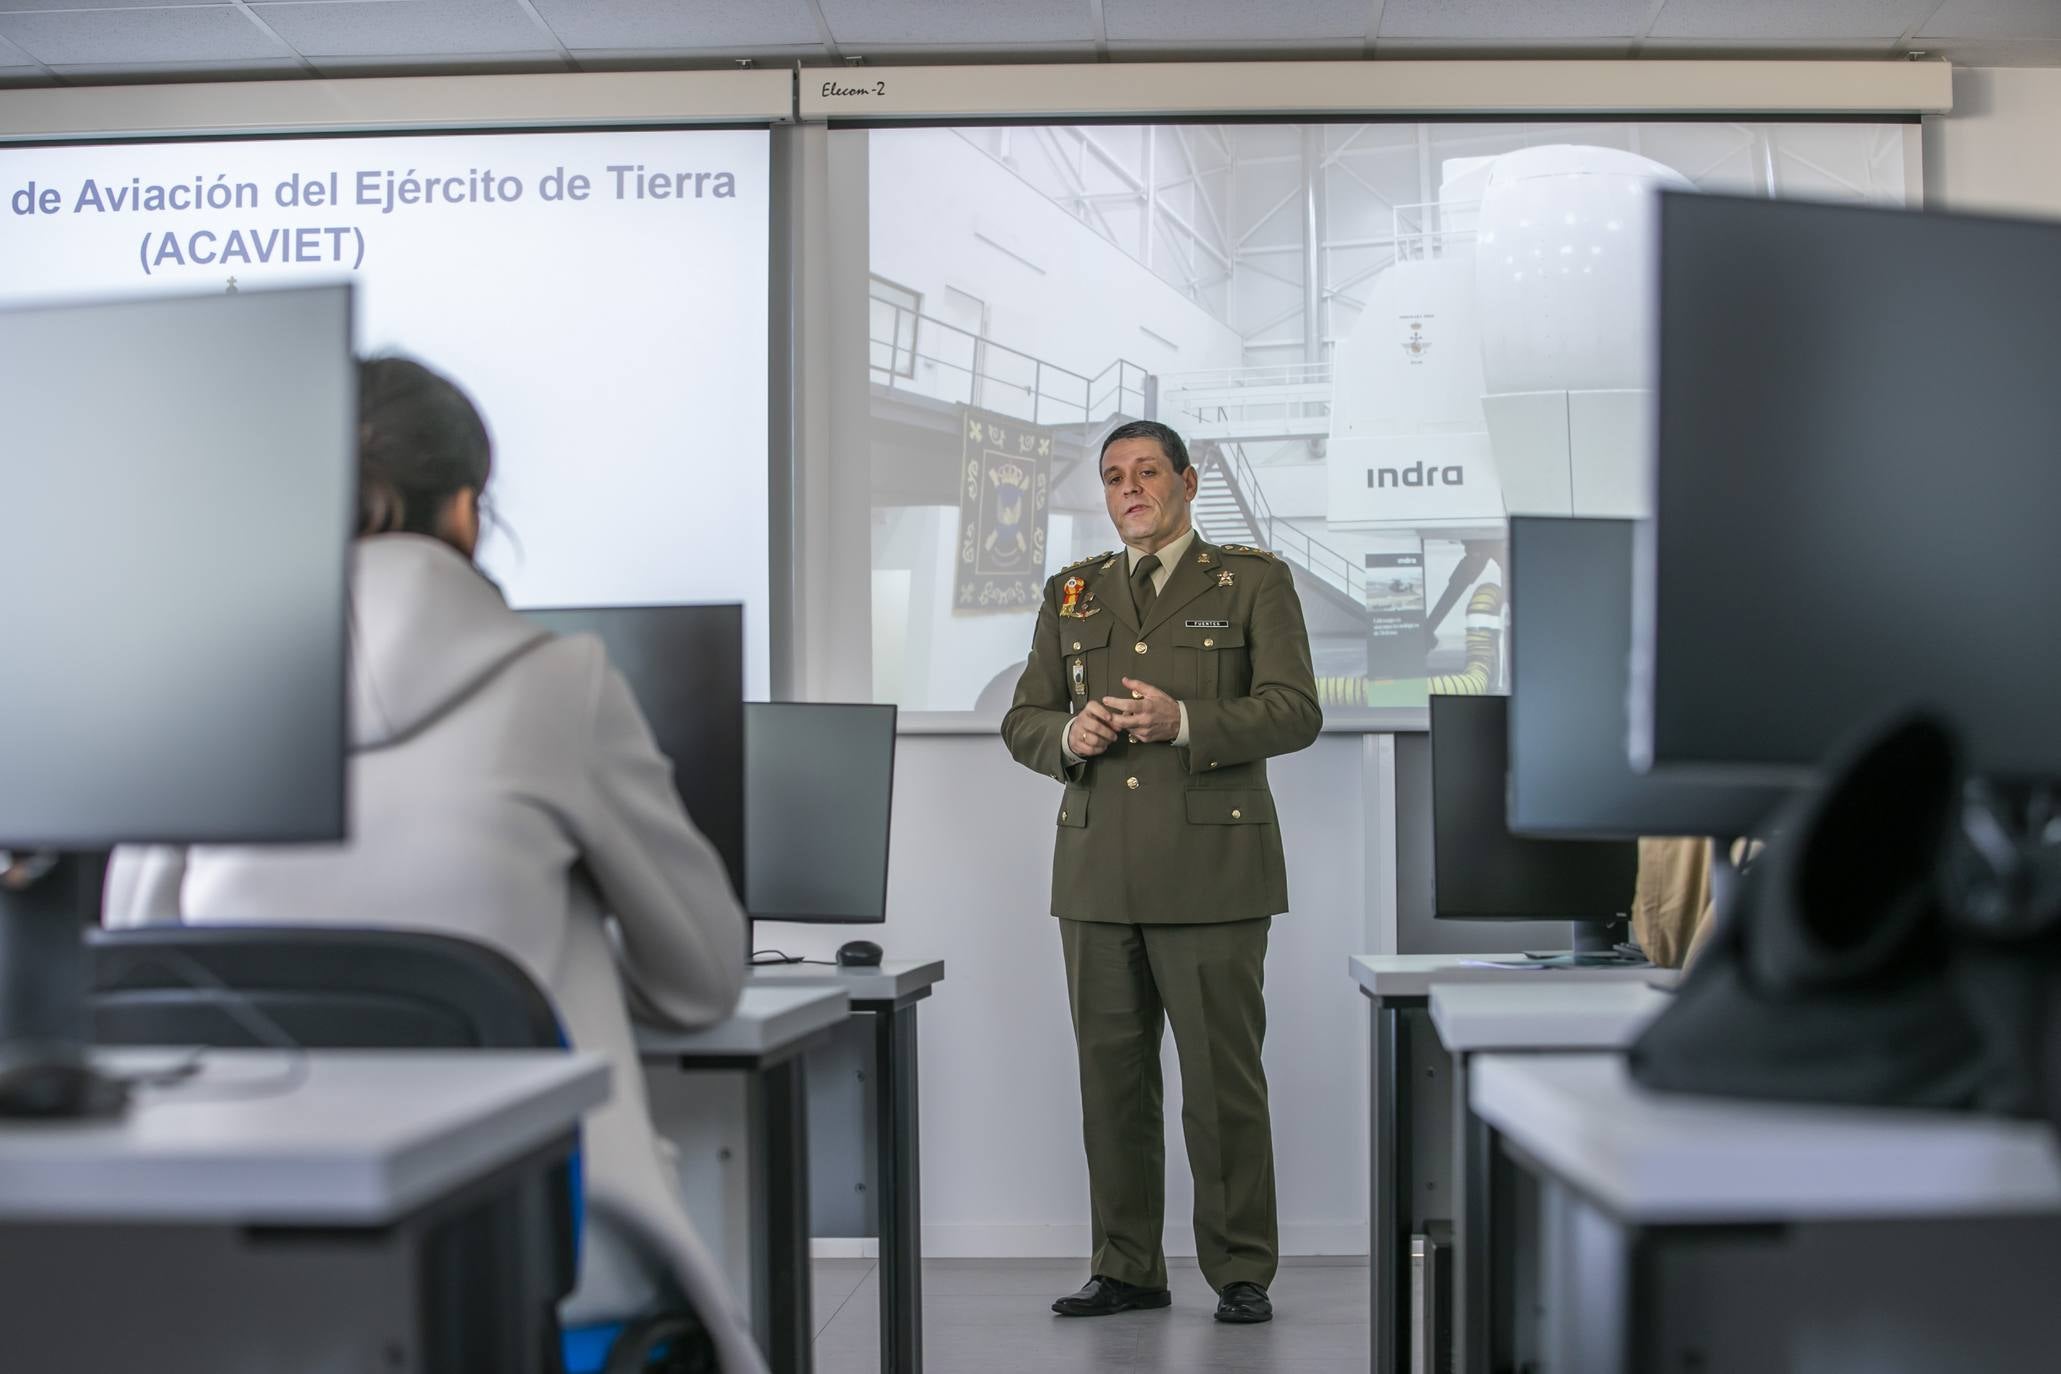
602, 295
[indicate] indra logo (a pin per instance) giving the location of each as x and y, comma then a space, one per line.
1418, 475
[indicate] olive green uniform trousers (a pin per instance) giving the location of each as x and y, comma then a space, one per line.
1124, 983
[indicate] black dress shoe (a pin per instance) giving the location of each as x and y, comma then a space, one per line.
1244, 1303
1103, 1297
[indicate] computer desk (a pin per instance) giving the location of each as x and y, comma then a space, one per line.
1682, 1232
871, 1077
763, 1042
342, 1214
1476, 1018
1410, 1105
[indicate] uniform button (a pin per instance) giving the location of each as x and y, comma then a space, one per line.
1131, 783
1062, 815
1212, 763
1076, 644
1137, 696
1134, 739
1236, 814
1207, 644
1139, 647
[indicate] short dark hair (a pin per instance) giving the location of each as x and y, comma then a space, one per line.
1169, 442
420, 442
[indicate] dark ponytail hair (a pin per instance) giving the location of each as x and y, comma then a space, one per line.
421, 441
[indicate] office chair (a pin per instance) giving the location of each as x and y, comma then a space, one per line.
335, 988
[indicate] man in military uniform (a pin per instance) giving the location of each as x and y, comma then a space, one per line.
1161, 679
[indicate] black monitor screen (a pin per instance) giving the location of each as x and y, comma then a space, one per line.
1570, 665
819, 781
177, 490
685, 665
1479, 870
1858, 471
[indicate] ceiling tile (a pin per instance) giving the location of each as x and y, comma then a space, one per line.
680, 25
116, 37
1487, 19
405, 28
1763, 19
1176, 23
1995, 19
969, 23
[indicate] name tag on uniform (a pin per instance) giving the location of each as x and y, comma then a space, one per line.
1209, 624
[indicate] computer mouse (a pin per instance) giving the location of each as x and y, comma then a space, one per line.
858, 954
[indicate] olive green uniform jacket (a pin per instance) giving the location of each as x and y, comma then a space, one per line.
1156, 833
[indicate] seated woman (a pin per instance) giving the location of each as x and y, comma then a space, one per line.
503, 787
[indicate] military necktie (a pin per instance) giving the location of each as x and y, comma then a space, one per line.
1142, 595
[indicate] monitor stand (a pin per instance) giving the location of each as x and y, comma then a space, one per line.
45, 1069
1596, 945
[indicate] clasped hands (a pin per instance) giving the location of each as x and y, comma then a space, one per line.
1148, 716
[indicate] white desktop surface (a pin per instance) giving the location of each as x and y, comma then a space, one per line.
1656, 1158
768, 1019
362, 1140
891, 981
1412, 975
1553, 1015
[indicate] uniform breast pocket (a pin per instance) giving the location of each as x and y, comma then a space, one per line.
1086, 646
1213, 659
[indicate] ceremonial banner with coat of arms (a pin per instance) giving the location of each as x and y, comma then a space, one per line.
1005, 475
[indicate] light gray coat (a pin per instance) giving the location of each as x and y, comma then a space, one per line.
505, 787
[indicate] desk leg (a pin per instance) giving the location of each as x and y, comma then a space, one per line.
898, 1196
1471, 1226
1389, 1200
780, 1219
1588, 1278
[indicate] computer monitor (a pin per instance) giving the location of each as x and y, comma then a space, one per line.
177, 492
685, 666
1480, 871
819, 788
1571, 777
1858, 466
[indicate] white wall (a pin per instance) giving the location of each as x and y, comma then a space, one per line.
1997, 150
1003, 1171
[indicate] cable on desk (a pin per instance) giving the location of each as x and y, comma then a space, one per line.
247, 1014
782, 959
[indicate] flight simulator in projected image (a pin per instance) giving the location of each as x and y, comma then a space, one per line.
1478, 349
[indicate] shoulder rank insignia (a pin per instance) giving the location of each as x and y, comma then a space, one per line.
1246, 549
1082, 563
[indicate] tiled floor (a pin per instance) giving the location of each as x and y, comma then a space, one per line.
994, 1317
